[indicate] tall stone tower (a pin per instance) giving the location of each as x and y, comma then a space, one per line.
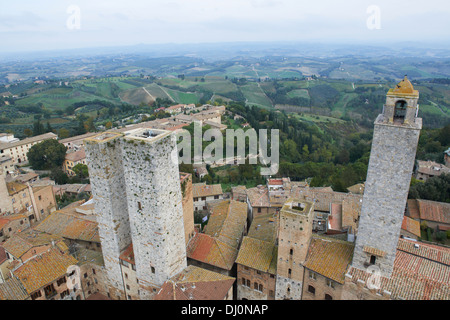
391, 163
295, 229
155, 207
105, 164
136, 187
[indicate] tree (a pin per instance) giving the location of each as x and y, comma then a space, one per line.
63, 133
38, 128
81, 170
59, 176
28, 132
47, 155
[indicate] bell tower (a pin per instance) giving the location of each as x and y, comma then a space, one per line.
394, 146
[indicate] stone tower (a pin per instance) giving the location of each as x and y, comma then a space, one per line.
136, 186
105, 164
391, 163
5, 200
295, 229
155, 207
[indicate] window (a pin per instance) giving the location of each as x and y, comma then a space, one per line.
400, 110
291, 252
153, 269
271, 293
36, 295
61, 281
259, 210
40, 198
330, 283
258, 287
216, 197
64, 293
373, 259
93, 271
289, 273
126, 276
85, 275
328, 297
312, 275
311, 289
139, 206
128, 287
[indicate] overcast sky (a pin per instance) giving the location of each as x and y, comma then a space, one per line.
27, 25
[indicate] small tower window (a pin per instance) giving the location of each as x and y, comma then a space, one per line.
373, 259
400, 110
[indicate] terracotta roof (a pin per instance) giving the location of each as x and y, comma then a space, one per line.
15, 187
195, 283
128, 254
411, 225
264, 228
227, 222
44, 269
357, 188
70, 227
329, 257
374, 251
277, 182
210, 250
335, 217
258, 254
203, 190
12, 289
76, 156
80, 137
97, 296
434, 211
20, 243
258, 197
421, 273
431, 168
413, 209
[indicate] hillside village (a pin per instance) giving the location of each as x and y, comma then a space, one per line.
135, 236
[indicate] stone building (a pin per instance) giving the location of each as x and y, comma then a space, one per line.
325, 267
11, 224
428, 169
295, 230
421, 271
18, 150
136, 187
391, 163
48, 276
204, 194
36, 202
257, 260
72, 159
